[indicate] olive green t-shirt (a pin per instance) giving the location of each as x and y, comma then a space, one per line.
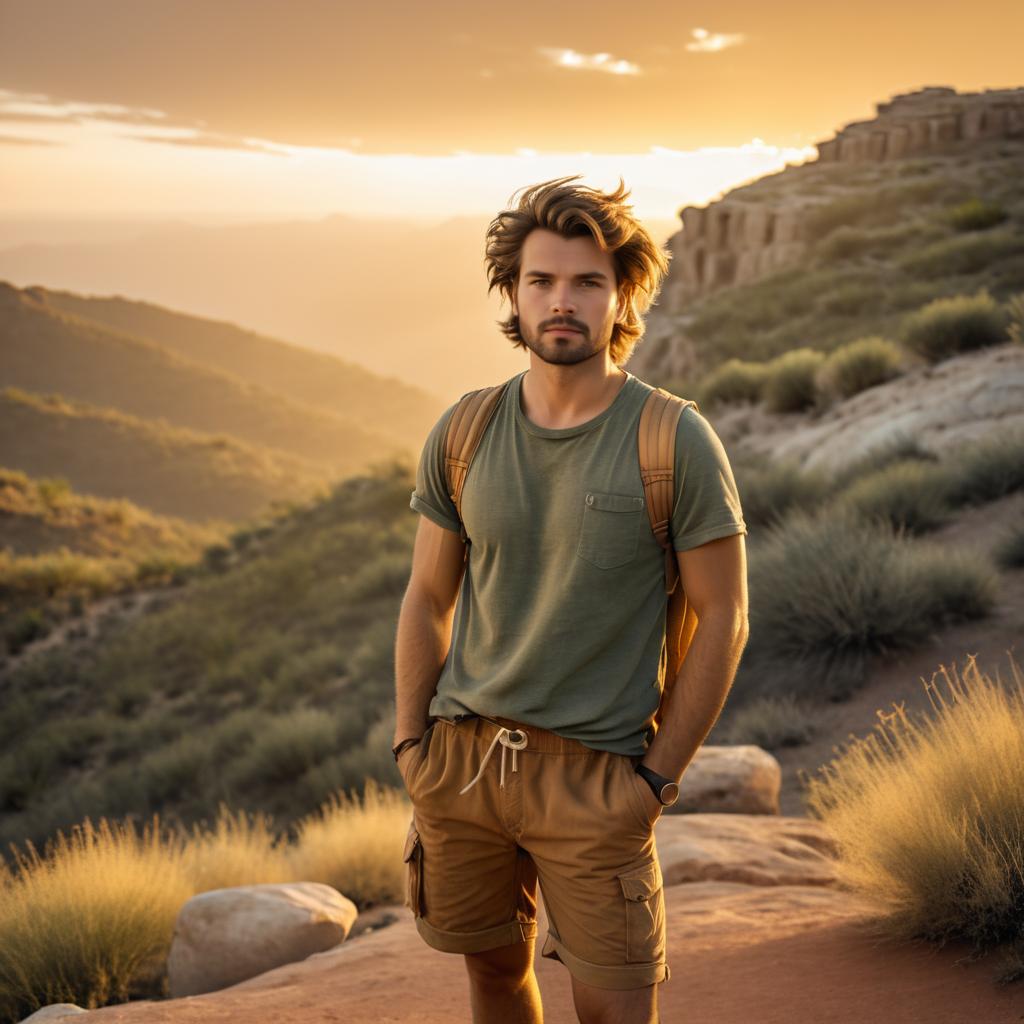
560, 618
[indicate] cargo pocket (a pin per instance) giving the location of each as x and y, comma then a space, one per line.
610, 529
413, 857
645, 913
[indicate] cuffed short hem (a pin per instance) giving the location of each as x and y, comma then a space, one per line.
617, 976
476, 942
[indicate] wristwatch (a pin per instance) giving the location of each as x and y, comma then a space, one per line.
664, 789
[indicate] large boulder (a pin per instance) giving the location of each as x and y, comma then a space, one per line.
739, 780
755, 849
224, 936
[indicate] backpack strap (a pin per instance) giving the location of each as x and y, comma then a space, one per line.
656, 440
466, 427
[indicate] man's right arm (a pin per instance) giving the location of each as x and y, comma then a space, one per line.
425, 624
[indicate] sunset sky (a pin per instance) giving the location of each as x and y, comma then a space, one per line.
257, 109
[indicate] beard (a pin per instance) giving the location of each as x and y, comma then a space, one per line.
566, 349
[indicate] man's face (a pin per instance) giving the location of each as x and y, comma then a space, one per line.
566, 297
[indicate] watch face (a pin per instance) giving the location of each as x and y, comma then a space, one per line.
669, 793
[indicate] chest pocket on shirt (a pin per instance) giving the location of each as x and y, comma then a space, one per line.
610, 529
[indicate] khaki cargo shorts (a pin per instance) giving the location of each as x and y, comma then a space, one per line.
498, 806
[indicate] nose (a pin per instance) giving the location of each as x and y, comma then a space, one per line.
562, 303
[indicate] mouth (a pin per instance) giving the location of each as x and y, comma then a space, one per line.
563, 330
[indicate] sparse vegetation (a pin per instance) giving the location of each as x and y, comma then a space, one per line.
734, 381
947, 327
929, 819
986, 469
790, 384
1009, 551
829, 592
909, 495
773, 721
859, 365
769, 489
977, 215
90, 920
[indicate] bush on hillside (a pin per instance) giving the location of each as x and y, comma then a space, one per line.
1009, 551
962, 254
976, 215
830, 591
734, 381
1015, 316
769, 489
859, 365
947, 327
772, 721
790, 384
900, 447
929, 820
910, 496
987, 469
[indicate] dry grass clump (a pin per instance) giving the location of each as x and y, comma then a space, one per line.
736, 380
859, 365
911, 495
90, 921
831, 591
928, 812
946, 327
790, 385
773, 721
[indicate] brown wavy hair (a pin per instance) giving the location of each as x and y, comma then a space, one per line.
573, 211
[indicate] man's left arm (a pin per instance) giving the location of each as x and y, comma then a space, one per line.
714, 577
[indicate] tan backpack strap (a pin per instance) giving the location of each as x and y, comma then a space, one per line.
466, 427
656, 440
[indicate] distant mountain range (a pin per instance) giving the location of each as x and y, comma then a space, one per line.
397, 297
186, 416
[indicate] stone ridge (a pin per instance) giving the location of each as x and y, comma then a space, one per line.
749, 234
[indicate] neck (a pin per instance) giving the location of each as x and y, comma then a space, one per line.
556, 396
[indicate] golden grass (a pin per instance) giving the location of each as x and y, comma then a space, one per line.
928, 812
92, 917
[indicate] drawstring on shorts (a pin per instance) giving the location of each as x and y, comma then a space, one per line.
510, 739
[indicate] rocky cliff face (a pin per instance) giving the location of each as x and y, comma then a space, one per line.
759, 229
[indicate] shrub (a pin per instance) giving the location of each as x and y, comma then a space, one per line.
82, 923
772, 721
790, 384
768, 490
909, 495
734, 381
976, 215
1009, 552
827, 592
929, 820
900, 447
355, 845
986, 470
962, 254
1015, 317
859, 365
946, 327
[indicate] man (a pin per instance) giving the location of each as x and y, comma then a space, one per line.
547, 642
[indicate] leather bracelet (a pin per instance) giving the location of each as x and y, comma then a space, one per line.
405, 743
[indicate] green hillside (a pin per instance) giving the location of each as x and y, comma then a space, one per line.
47, 350
63, 552
170, 470
256, 677
387, 405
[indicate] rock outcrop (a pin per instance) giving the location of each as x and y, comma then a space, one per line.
224, 936
761, 228
742, 779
